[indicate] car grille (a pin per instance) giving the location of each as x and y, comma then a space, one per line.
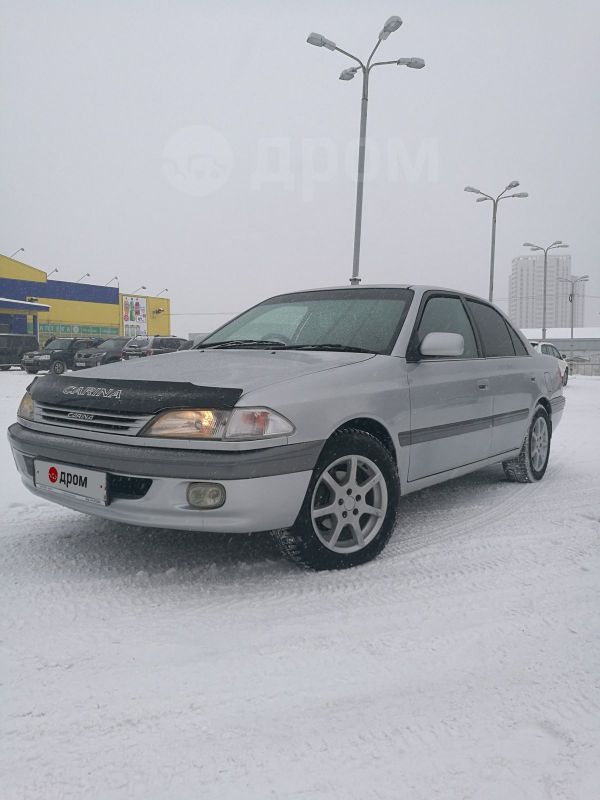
82, 419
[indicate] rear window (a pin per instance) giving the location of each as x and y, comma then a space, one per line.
139, 341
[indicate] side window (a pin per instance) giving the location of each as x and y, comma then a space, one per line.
447, 315
545, 349
496, 339
520, 348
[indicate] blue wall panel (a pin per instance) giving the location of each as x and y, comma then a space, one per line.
59, 290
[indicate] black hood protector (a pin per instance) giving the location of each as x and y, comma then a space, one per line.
134, 397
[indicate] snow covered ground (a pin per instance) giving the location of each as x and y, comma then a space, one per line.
463, 663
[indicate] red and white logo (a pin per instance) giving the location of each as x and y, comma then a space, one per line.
52, 475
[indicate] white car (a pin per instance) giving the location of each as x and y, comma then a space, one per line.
548, 349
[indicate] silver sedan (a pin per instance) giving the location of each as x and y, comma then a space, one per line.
309, 415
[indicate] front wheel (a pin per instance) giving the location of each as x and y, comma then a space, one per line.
59, 367
349, 510
566, 377
531, 463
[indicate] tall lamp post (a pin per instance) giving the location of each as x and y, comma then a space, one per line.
16, 253
554, 246
115, 278
392, 24
573, 283
495, 200
87, 275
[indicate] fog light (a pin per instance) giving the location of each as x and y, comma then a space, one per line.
206, 495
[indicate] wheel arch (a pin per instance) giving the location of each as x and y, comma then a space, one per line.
547, 406
375, 428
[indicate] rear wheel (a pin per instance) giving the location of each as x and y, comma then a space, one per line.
350, 507
531, 463
566, 377
58, 367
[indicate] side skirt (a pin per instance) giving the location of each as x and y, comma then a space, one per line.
457, 472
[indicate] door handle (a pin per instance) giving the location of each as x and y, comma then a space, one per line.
483, 385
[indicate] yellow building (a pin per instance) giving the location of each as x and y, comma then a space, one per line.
75, 308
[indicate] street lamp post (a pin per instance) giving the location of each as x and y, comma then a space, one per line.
52, 273
115, 278
162, 291
87, 275
495, 200
391, 25
573, 283
554, 246
20, 250
138, 288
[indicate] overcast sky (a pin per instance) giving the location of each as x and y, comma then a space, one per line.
205, 147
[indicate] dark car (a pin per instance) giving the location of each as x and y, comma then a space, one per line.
106, 353
13, 347
141, 346
58, 355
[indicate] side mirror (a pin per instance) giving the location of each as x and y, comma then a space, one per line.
563, 356
443, 345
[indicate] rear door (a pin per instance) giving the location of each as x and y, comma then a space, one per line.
513, 383
450, 399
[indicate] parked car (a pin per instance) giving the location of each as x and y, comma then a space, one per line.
109, 351
548, 349
58, 355
309, 415
13, 347
141, 346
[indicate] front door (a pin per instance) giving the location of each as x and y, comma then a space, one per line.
450, 398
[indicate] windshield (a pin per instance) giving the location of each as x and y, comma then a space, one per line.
113, 344
58, 344
362, 319
139, 341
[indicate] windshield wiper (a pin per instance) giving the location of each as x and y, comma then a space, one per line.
342, 348
243, 343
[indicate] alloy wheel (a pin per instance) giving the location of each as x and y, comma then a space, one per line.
349, 504
539, 444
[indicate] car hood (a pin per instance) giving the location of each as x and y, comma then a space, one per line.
241, 369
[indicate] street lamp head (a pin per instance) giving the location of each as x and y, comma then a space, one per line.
413, 63
391, 25
519, 194
512, 185
529, 244
472, 189
348, 74
320, 41
481, 199
558, 241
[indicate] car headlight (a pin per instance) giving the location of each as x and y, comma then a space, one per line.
210, 423
25, 410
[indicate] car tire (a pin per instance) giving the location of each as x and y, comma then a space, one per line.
345, 537
58, 367
531, 463
565, 377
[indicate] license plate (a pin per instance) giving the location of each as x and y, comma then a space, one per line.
87, 484
80, 364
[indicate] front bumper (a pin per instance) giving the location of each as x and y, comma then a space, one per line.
264, 488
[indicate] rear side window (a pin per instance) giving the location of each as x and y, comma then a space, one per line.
447, 315
520, 348
496, 339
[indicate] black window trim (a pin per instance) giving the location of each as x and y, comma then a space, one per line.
413, 353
